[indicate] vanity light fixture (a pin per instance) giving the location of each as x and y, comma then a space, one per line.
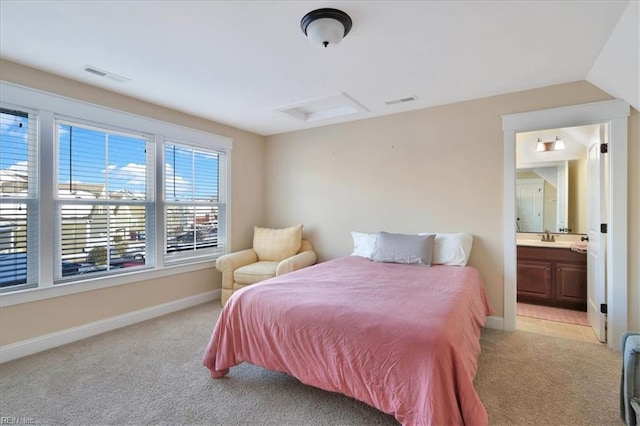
326, 26
556, 145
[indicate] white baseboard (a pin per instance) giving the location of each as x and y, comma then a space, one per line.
495, 322
59, 338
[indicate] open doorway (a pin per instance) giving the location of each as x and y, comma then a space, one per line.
615, 114
552, 216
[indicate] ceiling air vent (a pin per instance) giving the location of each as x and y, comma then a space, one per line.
401, 100
105, 74
337, 105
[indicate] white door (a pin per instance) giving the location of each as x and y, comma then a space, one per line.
529, 205
596, 265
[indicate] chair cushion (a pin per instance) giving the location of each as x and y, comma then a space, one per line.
276, 244
255, 272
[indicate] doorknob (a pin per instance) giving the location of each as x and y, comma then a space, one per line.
584, 238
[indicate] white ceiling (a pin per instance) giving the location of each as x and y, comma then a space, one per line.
240, 63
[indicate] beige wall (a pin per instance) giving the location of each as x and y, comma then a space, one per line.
437, 169
29, 320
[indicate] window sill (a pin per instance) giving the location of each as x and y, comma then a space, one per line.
65, 289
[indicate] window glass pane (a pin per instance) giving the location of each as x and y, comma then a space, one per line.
14, 153
205, 176
191, 227
178, 173
191, 194
98, 238
190, 174
13, 243
17, 158
127, 175
107, 165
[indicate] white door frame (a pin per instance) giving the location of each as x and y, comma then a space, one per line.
615, 113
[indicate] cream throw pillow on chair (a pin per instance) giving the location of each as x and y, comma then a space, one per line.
276, 244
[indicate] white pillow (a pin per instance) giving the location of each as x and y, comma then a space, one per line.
363, 244
448, 249
451, 248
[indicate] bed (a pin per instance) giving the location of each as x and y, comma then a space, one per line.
401, 338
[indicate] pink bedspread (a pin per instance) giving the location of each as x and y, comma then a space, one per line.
402, 338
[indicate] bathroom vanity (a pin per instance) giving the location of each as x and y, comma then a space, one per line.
552, 274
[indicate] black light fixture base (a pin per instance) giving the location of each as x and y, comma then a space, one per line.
336, 14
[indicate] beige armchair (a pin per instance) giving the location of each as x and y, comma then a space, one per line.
275, 252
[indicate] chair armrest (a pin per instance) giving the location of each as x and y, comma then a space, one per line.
299, 261
630, 385
232, 261
635, 404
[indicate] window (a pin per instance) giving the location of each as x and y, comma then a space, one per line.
192, 201
18, 199
104, 190
95, 197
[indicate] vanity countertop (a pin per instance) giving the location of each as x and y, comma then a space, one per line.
550, 244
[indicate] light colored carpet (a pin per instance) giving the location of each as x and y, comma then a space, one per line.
150, 373
553, 314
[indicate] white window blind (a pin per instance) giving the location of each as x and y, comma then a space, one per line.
194, 201
104, 205
18, 200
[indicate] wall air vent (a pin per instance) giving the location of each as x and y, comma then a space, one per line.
401, 100
101, 73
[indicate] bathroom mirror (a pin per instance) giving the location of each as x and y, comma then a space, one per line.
551, 185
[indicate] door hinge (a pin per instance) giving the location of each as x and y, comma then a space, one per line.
603, 228
604, 148
603, 308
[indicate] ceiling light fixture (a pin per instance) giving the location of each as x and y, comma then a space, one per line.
326, 26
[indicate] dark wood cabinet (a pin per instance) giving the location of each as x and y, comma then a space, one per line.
553, 277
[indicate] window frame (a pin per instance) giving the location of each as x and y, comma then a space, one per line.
49, 107
148, 203
220, 249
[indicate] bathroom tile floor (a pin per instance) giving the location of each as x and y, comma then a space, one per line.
552, 314
557, 329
